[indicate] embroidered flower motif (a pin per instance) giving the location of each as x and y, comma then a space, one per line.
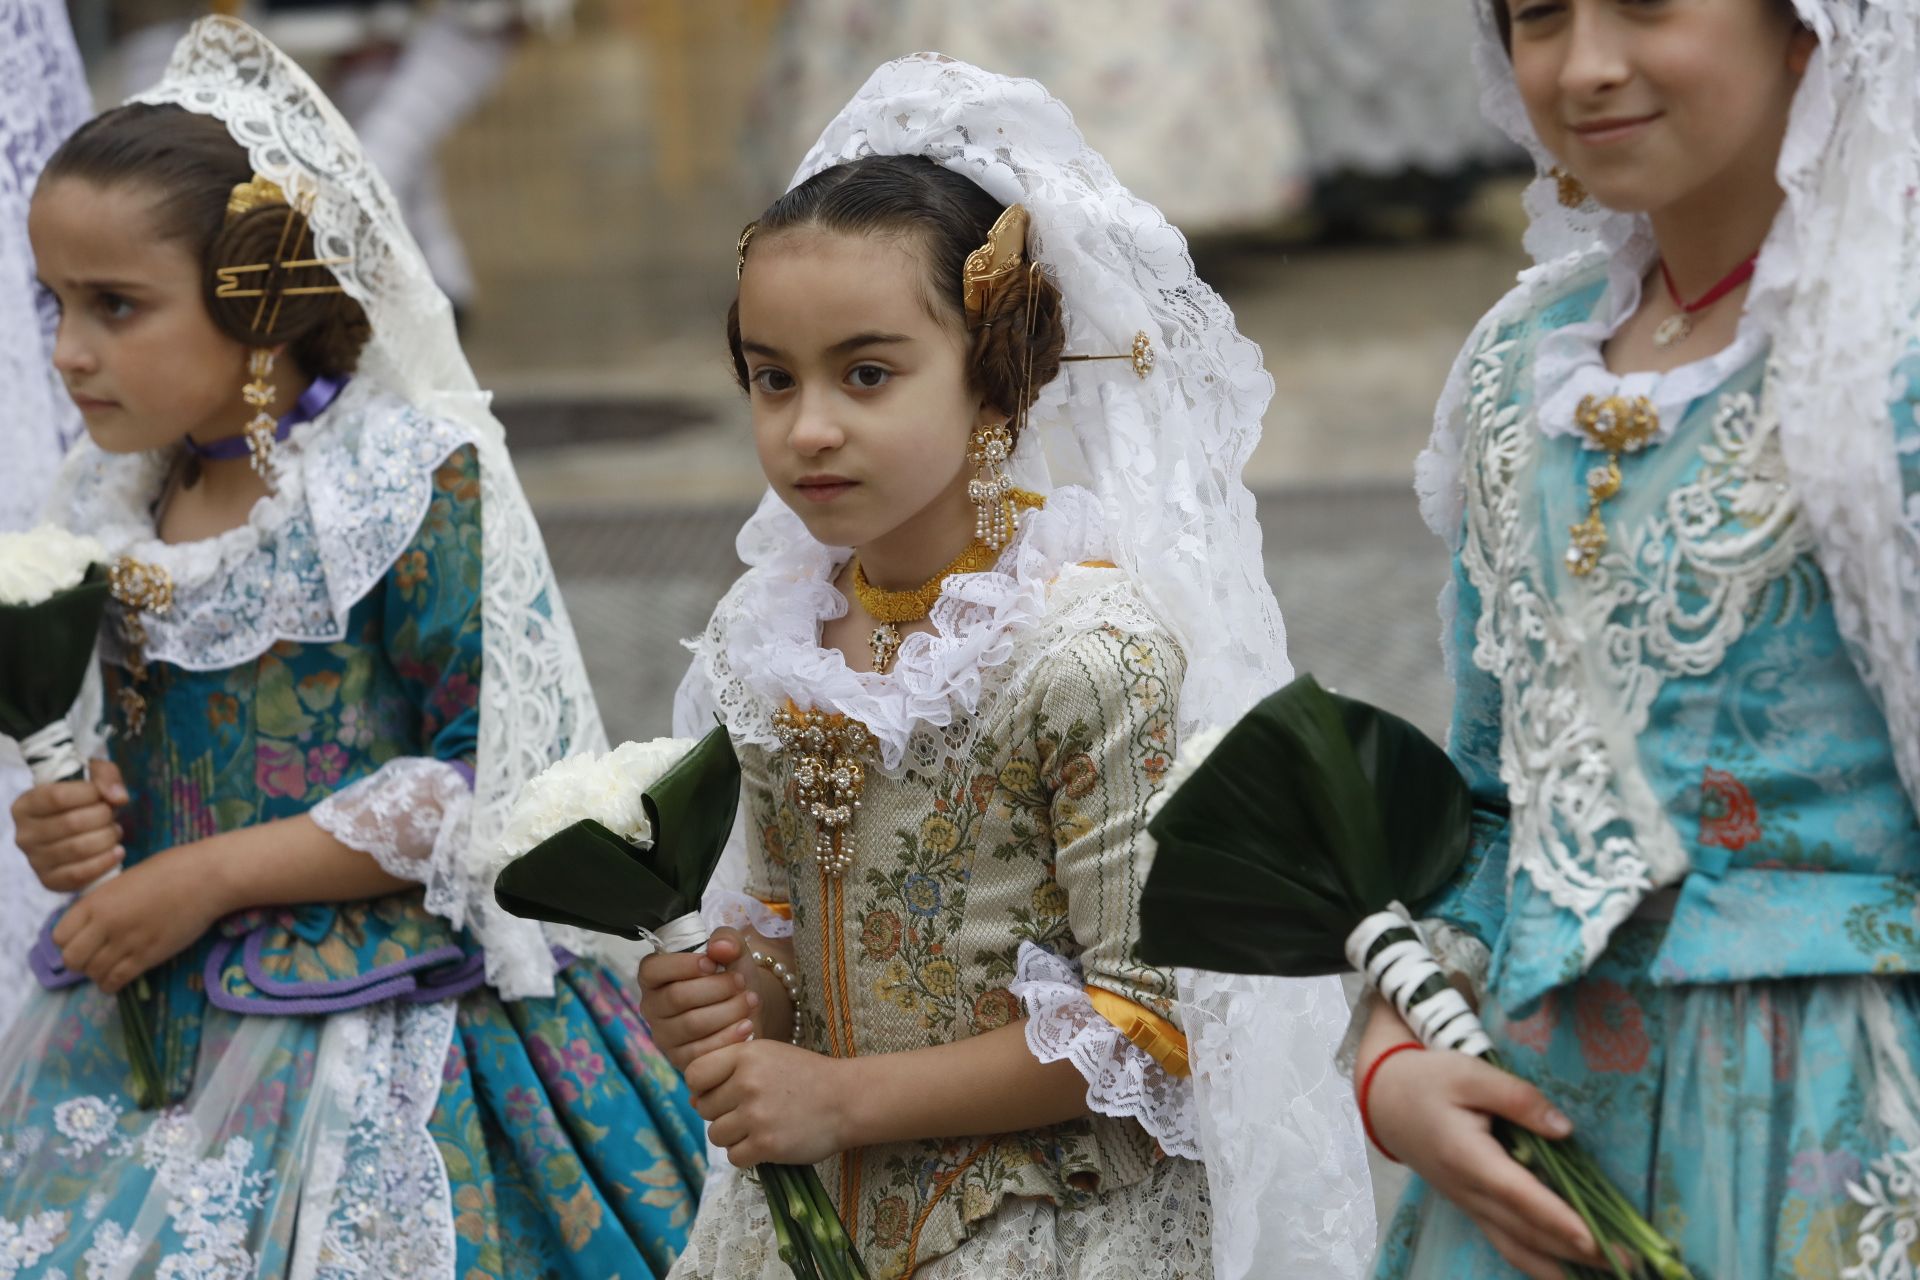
1079, 776
222, 709
975, 1203
1019, 777
939, 977
325, 764
880, 935
580, 1218
890, 1222
410, 570
86, 1122
455, 695
994, 1009
1535, 1031
1823, 1174
938, 835
113, 1249
981, 790
1050, 900
1610, 1027
922, 894
280, 770
356, 726
1728, 818
26, 1242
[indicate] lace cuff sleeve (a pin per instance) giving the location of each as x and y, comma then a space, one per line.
1139, 1074
414, 817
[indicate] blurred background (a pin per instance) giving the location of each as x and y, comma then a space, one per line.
578, 171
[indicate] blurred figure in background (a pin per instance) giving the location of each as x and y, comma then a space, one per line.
43, 98
405, 74
1185, 99
1388, 110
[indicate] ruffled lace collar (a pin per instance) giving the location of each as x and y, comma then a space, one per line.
350, 489
772, 637
1570, 361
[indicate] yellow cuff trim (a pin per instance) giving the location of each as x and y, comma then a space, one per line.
1152, 1034
782, 909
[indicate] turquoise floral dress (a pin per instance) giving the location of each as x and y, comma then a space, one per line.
347, 1093
1695, 875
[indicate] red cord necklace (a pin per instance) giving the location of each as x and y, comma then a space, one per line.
1675, 328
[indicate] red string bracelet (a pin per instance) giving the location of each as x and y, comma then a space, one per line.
1366, 1087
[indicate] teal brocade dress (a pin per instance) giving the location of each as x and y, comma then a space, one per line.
1736, 1054
347, 1095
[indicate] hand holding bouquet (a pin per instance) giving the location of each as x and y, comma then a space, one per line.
1287, 852
53, 594
624, 844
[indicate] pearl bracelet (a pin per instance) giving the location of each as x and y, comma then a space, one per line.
788, 979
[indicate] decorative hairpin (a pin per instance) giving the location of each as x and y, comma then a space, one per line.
1004, 253
260, 193
746, 238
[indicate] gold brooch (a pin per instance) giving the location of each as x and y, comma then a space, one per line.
830, 757
1616, 425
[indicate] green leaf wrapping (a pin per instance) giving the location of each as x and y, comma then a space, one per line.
589, 877
45, 650
1314, 812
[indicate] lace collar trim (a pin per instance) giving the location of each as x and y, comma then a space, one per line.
1570, 362
350, 489
772, 640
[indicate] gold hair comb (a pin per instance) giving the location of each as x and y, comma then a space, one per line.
253, 194
1002, 255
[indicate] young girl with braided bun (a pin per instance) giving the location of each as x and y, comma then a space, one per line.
955, 689
335, 651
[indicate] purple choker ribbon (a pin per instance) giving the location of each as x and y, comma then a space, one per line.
313, 402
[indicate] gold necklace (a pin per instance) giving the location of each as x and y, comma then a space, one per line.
1618, 425
892, 609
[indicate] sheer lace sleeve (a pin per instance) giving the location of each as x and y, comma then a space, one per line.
1124, 1079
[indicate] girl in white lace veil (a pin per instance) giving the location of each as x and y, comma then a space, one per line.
321, 701
1668, 554
43, 97
1151, 545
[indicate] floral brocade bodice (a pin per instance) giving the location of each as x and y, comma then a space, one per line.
1034, 834
1686, 714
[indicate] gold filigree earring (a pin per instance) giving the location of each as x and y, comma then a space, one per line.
1571, 192
990, 488
259, 393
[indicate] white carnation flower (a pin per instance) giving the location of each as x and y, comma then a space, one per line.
606, 788
36, 564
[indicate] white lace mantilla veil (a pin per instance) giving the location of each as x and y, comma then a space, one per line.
536, 704
1164, 456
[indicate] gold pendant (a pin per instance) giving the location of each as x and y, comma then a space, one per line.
1589, 542
884, 645
1675, 328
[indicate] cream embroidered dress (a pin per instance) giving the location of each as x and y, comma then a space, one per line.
995, 869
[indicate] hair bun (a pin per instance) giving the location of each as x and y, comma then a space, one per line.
1017, 349
324, 332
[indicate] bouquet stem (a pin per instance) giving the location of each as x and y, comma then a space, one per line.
1398, 965
51, 757
813, 1242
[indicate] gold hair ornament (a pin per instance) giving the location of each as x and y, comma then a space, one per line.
263, 193
746, 238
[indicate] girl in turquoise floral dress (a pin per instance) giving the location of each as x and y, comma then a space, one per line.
1677, 468
334, 653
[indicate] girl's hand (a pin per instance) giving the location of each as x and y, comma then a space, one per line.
695, 1004
1434, 1111
141, 918
68, 831
771, 1103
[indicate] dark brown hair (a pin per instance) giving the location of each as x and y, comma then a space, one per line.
1016, 349
191, 164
